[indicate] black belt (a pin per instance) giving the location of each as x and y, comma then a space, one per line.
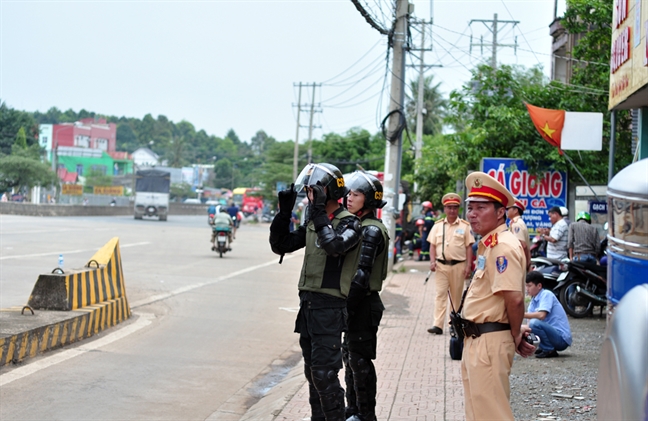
492, 327
449, 262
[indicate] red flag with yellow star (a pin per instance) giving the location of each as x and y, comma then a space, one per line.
549, 123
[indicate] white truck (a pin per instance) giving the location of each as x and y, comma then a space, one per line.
152, 193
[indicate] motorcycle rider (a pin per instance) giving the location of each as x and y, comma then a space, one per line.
583, 240
222, 222
363, 303
330, 237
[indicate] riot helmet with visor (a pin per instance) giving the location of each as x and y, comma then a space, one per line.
369, 185
327, 175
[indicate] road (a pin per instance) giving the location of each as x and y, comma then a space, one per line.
207, 334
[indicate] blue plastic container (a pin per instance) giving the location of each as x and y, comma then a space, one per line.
627, 230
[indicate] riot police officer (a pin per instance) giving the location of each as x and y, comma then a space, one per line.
363, 304
330, 237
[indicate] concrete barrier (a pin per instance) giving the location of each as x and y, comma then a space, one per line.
68, 307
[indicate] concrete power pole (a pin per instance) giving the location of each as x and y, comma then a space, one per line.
296, 153
310, 126
494, 28
391, 182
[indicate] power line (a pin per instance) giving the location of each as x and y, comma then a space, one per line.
341, 83
326, 101
369, 18
523, 36
350, 67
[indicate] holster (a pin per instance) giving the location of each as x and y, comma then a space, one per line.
458, 325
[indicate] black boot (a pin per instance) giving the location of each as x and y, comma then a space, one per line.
325, 380
313, 397
364, 374
351, 406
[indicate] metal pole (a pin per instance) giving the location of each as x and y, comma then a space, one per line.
494, 57
310, 128
581, 176
296, 153
612, 145
418, 154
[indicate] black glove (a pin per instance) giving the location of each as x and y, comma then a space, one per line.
318, 207
358, 290
287, 200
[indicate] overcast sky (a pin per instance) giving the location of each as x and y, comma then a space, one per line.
234, 64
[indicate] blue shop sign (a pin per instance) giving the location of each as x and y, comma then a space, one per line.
537, 192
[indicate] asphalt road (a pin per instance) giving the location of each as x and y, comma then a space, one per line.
208, 335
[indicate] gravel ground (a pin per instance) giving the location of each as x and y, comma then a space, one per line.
562, 388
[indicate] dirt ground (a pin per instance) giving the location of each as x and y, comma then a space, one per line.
562, 388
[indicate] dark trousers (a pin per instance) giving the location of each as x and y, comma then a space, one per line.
320, 323
359, 349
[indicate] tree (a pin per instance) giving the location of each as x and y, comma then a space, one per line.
96, 178
434, 106
231, 135
22, 173
11, 121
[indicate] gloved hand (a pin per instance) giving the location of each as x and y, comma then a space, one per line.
287, 200
319, 195
318, 206
358, 290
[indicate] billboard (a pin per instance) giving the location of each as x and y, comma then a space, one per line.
72, 189
537, 192
629, 55
109, 190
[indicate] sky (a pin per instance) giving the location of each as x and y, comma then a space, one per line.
224, 65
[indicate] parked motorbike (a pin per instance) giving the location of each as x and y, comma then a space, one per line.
582, 287
538, 246
221, 243
551, 269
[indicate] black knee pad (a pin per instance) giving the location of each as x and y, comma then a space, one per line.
360, 365
325, 379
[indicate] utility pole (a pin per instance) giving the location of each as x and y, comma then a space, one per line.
296, 153
394, 147
420, 110
494, 28
310, 126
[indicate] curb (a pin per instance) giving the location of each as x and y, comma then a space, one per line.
26, 335
273, 403
75, 305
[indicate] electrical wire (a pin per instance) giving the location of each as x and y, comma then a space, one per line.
523, 36
341, 104
326, 101
342, 82
369, 18
350, 67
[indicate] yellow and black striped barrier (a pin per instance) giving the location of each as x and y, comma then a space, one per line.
78, 304
78, 289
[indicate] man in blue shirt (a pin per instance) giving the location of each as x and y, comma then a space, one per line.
548, 319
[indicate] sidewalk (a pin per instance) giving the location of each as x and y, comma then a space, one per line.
417, 380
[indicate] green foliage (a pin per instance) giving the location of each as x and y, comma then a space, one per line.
433, 103
96, 178
11, 121
490, 119
180, 191
21, 172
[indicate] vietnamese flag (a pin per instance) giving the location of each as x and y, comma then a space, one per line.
549, 123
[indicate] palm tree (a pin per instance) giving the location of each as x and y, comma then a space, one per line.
434, 107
